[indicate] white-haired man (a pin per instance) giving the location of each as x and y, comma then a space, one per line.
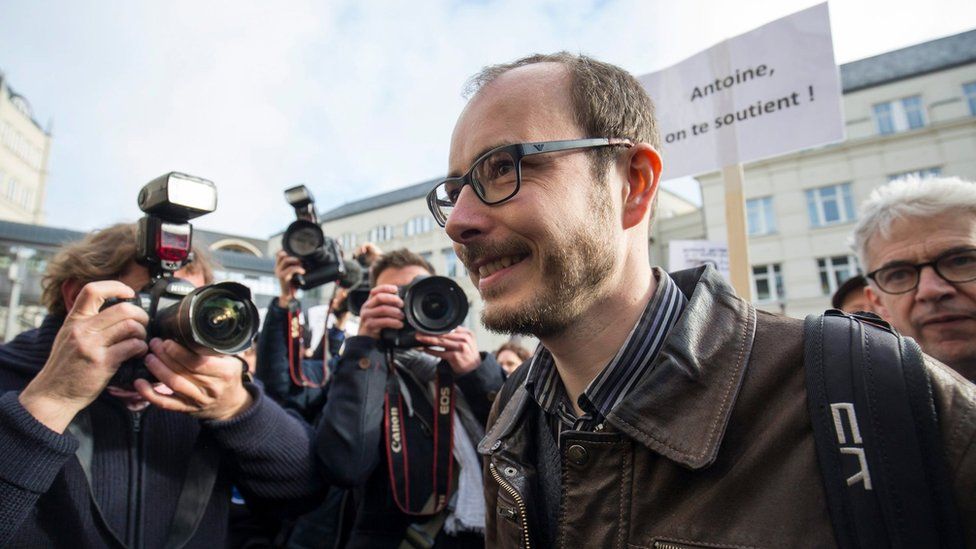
917, 240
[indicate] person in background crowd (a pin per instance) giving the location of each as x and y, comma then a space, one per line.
917, 240
510, 356
351, 444
659, 410
850, 297
83, 465
282, 384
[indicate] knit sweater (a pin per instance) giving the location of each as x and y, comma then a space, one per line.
138, 465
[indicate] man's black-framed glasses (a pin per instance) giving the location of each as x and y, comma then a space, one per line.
957, 265
496, 176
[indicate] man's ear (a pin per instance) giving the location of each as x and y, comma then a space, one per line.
874, 298
643, 176
69, 292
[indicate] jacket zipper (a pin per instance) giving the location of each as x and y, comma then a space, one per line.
671, 545
135, 476
519, 502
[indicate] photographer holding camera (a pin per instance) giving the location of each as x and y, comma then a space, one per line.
403, 433
88, 461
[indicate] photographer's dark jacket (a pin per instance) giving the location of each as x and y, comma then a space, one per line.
350, 431
137, 463
272, 367
712, 447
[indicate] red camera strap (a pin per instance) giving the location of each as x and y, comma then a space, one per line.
397, 453
296, 348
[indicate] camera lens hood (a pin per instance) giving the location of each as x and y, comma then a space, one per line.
215, 319
434, 304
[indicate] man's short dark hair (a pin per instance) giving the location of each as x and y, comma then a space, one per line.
607, 100
397, 259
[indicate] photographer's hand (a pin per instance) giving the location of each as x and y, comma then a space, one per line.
87, 351
369, 251
383, 309
286, 267
205, 387
460, 349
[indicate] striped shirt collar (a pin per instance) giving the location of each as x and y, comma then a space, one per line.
611, 385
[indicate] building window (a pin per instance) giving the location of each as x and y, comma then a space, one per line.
899, 115
921, 174
830, 205
454, 267
381, 233
759, 216
835, 270
11, 190
348, 241
969, 90
418, 225
427, 256
767, 283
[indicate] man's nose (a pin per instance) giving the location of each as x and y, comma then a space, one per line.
469, 219
932, 287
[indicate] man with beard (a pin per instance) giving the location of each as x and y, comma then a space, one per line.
917, 239
659, 410
363, 433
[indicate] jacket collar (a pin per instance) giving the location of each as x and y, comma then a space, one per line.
680, 408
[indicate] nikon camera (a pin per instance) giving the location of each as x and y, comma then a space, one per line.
431, 305
210, 320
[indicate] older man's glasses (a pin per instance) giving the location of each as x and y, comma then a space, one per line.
496, 176
953, 266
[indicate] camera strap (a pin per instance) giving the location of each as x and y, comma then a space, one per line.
420, 500
296, 348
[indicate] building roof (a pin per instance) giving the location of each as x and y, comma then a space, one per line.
418, 190
38, 235
934, 55
209, 238
21, 103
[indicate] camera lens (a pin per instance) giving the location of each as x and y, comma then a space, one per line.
435, 305
222, 320
303, 238
215, 319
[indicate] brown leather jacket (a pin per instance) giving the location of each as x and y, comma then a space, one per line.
712, 448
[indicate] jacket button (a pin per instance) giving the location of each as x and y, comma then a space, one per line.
577, 454
364, 363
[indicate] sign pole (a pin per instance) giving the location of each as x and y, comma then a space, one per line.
735, 225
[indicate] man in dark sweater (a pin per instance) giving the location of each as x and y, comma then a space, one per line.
86, 465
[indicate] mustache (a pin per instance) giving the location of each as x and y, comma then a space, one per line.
472, 254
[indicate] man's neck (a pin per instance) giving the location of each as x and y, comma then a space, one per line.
583, 350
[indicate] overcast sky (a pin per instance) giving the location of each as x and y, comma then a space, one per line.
352, 98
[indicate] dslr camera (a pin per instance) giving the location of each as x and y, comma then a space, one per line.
210, 320
431, 305
321, 256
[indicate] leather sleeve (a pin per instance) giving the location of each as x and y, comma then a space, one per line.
955, 403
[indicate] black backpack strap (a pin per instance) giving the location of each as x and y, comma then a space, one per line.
877, 436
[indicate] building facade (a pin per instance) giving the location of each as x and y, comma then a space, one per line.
908, 111
24, 150
400, 219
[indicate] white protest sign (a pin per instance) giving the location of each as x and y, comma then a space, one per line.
688, 254
771, 91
